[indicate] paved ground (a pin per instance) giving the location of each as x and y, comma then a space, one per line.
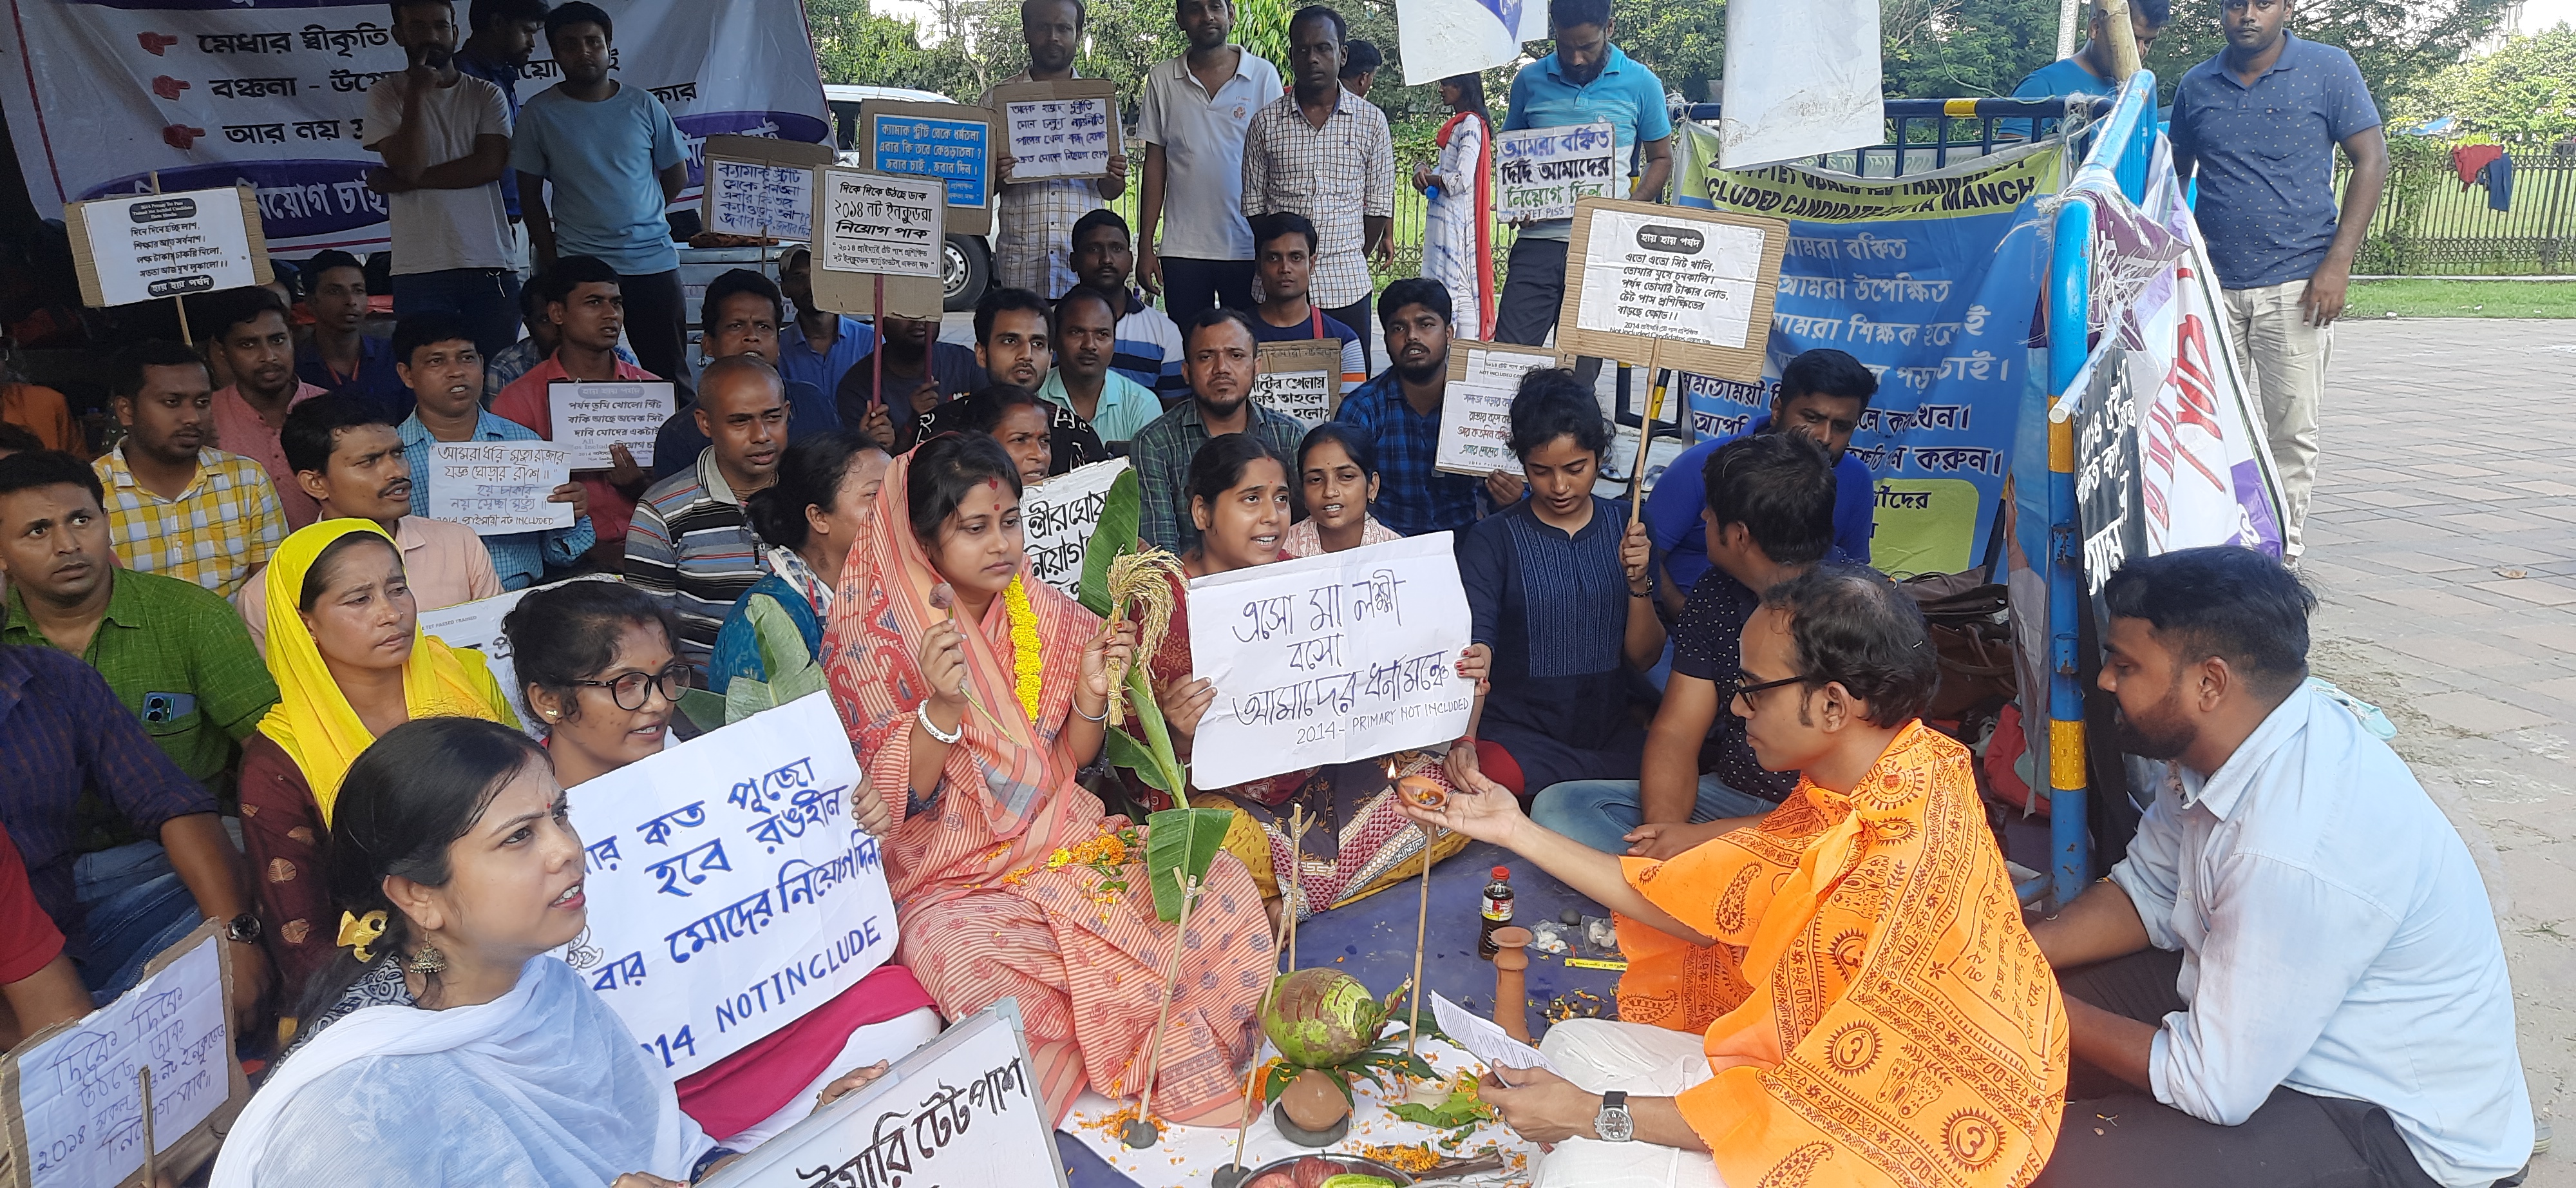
2443, 545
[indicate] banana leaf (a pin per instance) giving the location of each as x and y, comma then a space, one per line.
792, 673
1181, 842
1120, 514
1124, 751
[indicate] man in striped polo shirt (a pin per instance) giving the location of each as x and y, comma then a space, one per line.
691, 546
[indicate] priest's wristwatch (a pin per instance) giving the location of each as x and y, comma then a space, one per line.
242, 929
1613, 1123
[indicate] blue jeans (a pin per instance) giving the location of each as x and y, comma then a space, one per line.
134, 906
1599, 813
487, 298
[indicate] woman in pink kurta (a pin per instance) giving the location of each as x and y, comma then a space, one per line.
930, 637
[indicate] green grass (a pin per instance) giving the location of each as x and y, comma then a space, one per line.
2462, 299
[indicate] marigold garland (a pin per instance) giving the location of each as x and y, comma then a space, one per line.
1025, 645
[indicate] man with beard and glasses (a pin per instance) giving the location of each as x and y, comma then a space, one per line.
445, 139
175, 504
2296, 966
1401, 410
1221, 364
1031, 234
350, 460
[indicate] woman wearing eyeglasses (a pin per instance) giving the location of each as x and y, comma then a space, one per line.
344, 643
602, 676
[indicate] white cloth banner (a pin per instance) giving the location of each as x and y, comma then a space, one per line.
1330, 658
1802, 78
272, 93
729, 890
1058, 517
1440, 38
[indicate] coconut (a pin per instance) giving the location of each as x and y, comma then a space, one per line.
1322, 1017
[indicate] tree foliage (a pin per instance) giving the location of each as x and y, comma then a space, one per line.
2524, 91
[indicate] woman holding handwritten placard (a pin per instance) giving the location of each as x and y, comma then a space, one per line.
345, 645
602, 676
975, 692
1361, 842
442, 1046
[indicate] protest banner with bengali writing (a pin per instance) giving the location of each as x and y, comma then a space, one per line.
730, 890
1671, 288
962, 1109
1058, 517
1301, 379
882, 225
590, 418
1930, 282
1329, 658
1058, 129
166, 245
949, 142
2110, 487
498, 487
761, 187
1476, 431
273, 95
75, 1101
1540, 173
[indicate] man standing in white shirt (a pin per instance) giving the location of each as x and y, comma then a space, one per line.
445, 138
1192, 118
2295, 972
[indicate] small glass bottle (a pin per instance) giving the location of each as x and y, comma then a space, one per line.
1498, 911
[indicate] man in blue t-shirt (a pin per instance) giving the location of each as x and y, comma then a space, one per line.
1283, 256
1822, 395
1586, 81
615, 161
2258, 125
2089, 72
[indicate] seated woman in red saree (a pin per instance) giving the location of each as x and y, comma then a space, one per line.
975, 692
598, 664
1360, 842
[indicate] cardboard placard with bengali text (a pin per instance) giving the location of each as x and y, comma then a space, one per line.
1058, 517
1302, 379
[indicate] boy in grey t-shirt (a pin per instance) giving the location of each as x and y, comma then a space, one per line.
616, 161
445, 138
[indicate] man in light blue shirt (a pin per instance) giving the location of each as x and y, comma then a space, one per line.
616, 162
2089, 72
1586, 81
1084, 382
434, 353
2296, 966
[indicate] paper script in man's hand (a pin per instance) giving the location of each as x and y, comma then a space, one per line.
1484, 1039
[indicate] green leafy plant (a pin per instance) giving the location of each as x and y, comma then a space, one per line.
1107, 588
1460, 1114
1181, 842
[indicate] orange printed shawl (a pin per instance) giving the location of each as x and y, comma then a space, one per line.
1876, 1013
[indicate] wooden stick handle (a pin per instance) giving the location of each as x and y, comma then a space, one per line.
1171, 971
1645, 437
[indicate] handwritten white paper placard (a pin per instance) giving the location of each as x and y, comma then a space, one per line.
1329, 658
1302, 379
730, 892
1674, 277
144, 246
1059, 516
754, 198
1539, 173
77, 1090
961, 1109
498, 487
1061, 137
1476, 431
591, 417
890, 226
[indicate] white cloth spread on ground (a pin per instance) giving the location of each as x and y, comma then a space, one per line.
542, 1085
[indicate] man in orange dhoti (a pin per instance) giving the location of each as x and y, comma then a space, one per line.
1843, 994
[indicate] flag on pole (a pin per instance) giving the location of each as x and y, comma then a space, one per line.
1445, 37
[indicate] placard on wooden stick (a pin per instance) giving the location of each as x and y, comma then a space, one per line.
877, 238
949, 141
761, 185
71, 1093
1066, 129
1671, 287
142, 247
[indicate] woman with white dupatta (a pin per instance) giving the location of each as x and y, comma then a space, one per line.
442, 1046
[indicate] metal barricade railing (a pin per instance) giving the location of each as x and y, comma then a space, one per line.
2122, 149
1928, 134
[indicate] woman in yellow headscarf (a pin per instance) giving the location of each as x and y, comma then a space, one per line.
344, 643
